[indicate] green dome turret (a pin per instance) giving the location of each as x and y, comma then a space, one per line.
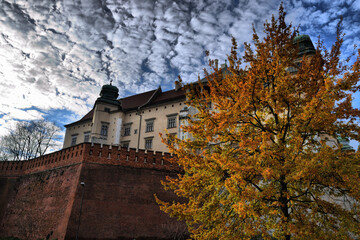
109, 94
305, 44
109, 91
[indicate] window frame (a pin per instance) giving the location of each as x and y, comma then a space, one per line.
171, 121
73, 137
127, 129
123, 144
104, 131
149, 127
173, 135
87, 136
148, 140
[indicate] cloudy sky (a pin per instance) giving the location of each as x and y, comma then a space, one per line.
56, 55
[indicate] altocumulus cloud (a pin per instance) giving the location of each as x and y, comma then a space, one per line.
56, 55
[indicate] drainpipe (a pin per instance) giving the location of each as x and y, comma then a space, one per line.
139, 132
157, 91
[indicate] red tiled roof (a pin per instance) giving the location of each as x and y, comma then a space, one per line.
150, 98
88, 116
85, 118
136, 101
168, 96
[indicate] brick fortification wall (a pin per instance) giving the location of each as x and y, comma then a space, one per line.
40, 204
41, 198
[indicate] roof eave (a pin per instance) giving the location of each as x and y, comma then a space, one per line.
77, 122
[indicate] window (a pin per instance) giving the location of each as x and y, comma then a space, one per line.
171, 138
148, 143
125, 144
127, 129
171, 121
104, 129
73, 140
292, 69
86, 136
107, 109
149, 125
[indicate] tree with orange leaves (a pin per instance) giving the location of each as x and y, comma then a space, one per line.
259, 163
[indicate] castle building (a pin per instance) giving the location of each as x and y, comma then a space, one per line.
132, 122
137, 121
105, 190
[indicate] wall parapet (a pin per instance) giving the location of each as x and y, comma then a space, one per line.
9, 168
90, 153
139, 158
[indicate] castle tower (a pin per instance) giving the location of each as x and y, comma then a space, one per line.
107, 115
109, 95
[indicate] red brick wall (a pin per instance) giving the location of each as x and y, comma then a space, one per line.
7, 185
87, 152
121, 156
60, 158
41, 204
42, 196
119, 203
11, 168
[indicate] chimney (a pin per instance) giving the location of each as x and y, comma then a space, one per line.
224, 65
177, 85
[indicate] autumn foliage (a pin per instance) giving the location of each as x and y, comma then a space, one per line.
264, 160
